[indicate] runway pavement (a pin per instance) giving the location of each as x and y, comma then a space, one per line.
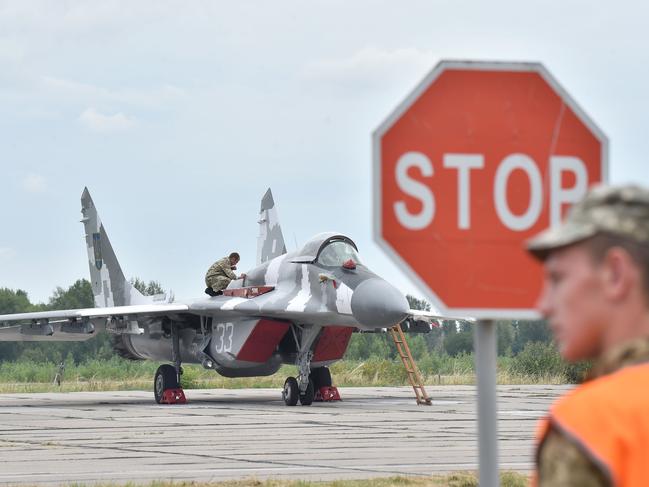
226, 434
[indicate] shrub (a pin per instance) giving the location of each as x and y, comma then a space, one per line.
577, 372
538, 360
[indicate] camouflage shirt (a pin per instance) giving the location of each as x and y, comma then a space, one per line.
561, 461
221, 268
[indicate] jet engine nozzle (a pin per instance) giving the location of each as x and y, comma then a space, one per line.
378, 304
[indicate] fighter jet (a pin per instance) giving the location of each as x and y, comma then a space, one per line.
297, 308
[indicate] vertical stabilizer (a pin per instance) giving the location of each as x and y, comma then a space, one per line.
109, 286
270, 242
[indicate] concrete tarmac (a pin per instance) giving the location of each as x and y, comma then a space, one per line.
230, 434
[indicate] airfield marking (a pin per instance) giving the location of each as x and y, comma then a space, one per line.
228, 434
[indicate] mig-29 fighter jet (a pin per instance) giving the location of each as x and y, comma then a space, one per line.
293, 308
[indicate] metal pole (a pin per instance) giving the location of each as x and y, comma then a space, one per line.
485, 366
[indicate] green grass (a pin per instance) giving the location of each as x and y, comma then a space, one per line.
119, 374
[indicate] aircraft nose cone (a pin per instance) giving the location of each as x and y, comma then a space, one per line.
378, 304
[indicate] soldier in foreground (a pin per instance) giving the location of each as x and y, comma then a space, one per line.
221, 273
596, 301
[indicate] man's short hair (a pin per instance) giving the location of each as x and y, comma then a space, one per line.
601, 243
234, 255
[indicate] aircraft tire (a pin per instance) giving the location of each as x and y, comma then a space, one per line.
165, 378
291, 392
306, 399
321, 377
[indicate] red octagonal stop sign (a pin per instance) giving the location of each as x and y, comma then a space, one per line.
478, 158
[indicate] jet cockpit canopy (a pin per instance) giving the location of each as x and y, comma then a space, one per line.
329, 249
337, 252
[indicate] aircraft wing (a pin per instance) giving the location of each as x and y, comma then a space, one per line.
68, 314
427, 316
80, 324
75, 324
419, 321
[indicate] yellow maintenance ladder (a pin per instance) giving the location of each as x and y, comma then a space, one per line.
414, 377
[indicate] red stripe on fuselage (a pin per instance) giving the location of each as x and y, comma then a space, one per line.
262, 341
332, 344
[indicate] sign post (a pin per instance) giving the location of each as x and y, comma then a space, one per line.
485, 367
479, 157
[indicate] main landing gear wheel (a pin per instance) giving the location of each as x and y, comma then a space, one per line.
307, 398
291, 391
165, 378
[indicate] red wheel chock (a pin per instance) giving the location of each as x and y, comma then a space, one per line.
326, 394
173, 396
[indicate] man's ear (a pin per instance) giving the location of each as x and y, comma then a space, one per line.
620, 273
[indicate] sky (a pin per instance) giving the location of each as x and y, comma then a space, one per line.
179, 115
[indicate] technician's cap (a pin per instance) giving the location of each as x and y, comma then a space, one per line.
616, 210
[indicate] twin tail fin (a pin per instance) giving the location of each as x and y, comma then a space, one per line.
270, 243
109, 286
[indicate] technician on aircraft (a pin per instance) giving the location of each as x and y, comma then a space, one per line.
220, 274
596, 300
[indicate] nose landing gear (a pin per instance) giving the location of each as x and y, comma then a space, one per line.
302, 387
310, 385
291, 393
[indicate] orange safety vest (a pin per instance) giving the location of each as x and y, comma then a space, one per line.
609, 418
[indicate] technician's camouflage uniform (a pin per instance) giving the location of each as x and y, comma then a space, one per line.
219, 275
560, 460
621, 211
